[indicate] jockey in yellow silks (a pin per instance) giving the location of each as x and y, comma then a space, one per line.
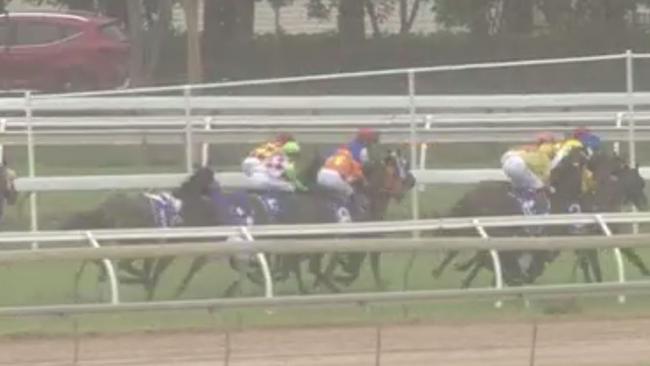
278, 172
261, 153
584, 140
529, 167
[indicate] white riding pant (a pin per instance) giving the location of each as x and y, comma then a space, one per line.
331, 179
518, 172
250, 165
265, 181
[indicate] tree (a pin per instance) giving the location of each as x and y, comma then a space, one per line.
228, 31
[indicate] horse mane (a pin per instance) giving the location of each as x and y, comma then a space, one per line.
197, 184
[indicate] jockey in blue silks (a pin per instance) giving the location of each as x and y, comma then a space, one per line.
362, 145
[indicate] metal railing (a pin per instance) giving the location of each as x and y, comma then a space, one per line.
246, 245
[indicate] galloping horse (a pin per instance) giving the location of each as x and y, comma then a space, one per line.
496, 199
8, 193
189, 205
387, 179
617, 184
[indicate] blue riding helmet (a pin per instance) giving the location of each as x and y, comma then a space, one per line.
591, 142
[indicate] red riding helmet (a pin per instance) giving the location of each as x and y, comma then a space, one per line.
284, 137
545, 138
579, 132
368, 135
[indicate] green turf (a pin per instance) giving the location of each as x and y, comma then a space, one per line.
52, 283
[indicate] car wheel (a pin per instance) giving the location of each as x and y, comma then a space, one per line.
76, 82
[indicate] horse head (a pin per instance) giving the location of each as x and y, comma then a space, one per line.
388, 179
617, 184
200, 184
567, 177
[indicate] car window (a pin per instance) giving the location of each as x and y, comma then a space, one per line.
114, 32
32, 33
68, 31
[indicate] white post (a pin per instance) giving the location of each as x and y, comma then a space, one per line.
617, 254
629, 86
3, 128
205, 148
261, 258
31, 164
187, 93
110, 270
415, 209
423, 149
496, 262
619, 125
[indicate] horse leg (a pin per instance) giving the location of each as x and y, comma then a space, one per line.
147, 274
297, 271
160, 266
462, 267
352, 266
636, 260
594, 262
329, 270
234, 287
437, 272
584, 265
467, 282
375, 265
197, 264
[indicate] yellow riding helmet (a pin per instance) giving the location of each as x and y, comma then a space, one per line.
547, 148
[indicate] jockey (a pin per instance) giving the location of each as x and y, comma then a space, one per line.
528, 169
583, 139
362, 145
340, 172
278, 172
264, 151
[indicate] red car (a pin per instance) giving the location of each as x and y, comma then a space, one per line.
61, 52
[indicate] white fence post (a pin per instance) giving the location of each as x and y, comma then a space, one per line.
3, 128
617, 254
620, 116
261, 258
496, 262
205, 148
110, 270
415, 209
187, 94
423, 149
629, 86
31, 164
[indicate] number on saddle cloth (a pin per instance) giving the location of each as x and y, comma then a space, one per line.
239, 210
531, 203
166, 209
276, 205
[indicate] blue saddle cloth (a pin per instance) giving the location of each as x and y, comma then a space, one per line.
165, 209
531, 203
233, 208
313, 207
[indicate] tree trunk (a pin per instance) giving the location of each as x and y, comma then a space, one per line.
518, 16
228, 29
194, 68
374, 21
116, 9
136, 36
351, 22
156, 36
407, 18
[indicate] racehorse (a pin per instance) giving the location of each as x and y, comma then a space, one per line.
387, 179
617, 184
188, 205
497, 199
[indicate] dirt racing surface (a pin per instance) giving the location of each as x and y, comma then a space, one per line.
593, 343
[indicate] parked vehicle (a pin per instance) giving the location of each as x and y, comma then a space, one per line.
61, 52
